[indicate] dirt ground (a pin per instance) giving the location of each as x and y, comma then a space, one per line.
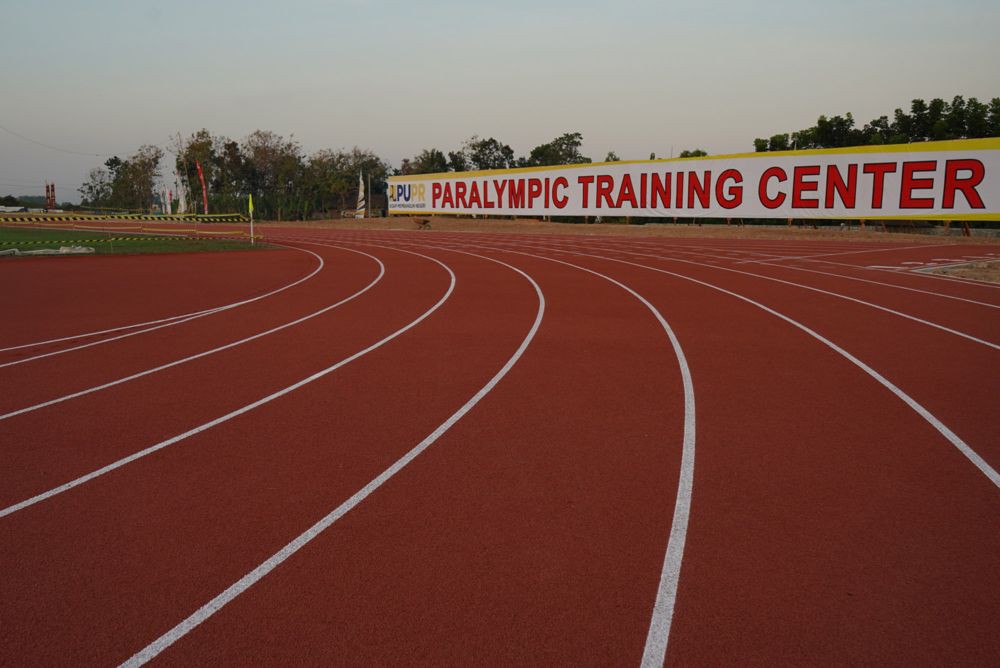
683, 230
980, 271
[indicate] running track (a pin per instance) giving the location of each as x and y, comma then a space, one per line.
463, 449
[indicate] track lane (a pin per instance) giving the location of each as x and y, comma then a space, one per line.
93, 292
229, 497
135, 351
932, 367
205, 353
465, 539
874, 511
49, 448
966, 321
885, 579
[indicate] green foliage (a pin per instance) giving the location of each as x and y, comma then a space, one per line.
125, 184
563, 150
428, 161
694, 153
488, 154
457, 161
926, 121
611, 157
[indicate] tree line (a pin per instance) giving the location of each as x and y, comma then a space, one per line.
288, 184
927, 121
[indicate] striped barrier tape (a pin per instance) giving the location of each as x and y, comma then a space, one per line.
212, 218
38, 242
175, 231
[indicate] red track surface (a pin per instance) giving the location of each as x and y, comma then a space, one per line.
844, 505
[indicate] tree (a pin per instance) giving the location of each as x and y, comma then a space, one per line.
563, 150
695, 153
994, 117
760, 145
429, 161
955, 118
457, 162
611, 157
132, 181
273, 169
938, 126
976, 119
96, 190
779, 142
480, 154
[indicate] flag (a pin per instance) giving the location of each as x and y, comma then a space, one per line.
204, 190
360, 212
251, 204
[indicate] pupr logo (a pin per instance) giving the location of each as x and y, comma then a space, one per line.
408, 195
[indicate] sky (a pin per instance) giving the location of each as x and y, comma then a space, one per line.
635, 77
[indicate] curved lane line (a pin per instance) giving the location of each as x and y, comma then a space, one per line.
206, 353
703, 255
951, 436
658, 635
10, 510
170, 323
886, 309
186, 626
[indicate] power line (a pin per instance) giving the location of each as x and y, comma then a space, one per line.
54, 148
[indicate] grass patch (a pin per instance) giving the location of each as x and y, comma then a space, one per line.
109, 242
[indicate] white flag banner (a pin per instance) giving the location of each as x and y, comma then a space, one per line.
951, 180
360, 211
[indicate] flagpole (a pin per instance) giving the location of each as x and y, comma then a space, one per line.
251, 220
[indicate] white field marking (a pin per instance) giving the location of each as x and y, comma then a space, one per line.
765, 263
916, 273
952, 438
663, 608
886, 309
201, 614
870, 250
10, 510
297, 321
171, 321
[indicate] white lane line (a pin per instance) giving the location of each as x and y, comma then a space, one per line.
172, 322
858, 252
187, 625
951, 436
214, 309
298, 321
658, 634
886, 309
871, 282
702, 255
10, 510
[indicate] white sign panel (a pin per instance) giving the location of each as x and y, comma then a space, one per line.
951, 180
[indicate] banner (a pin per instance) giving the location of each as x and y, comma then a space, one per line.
949, 180
360, 210
204, 190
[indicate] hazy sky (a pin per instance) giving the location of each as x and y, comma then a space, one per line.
398, 76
